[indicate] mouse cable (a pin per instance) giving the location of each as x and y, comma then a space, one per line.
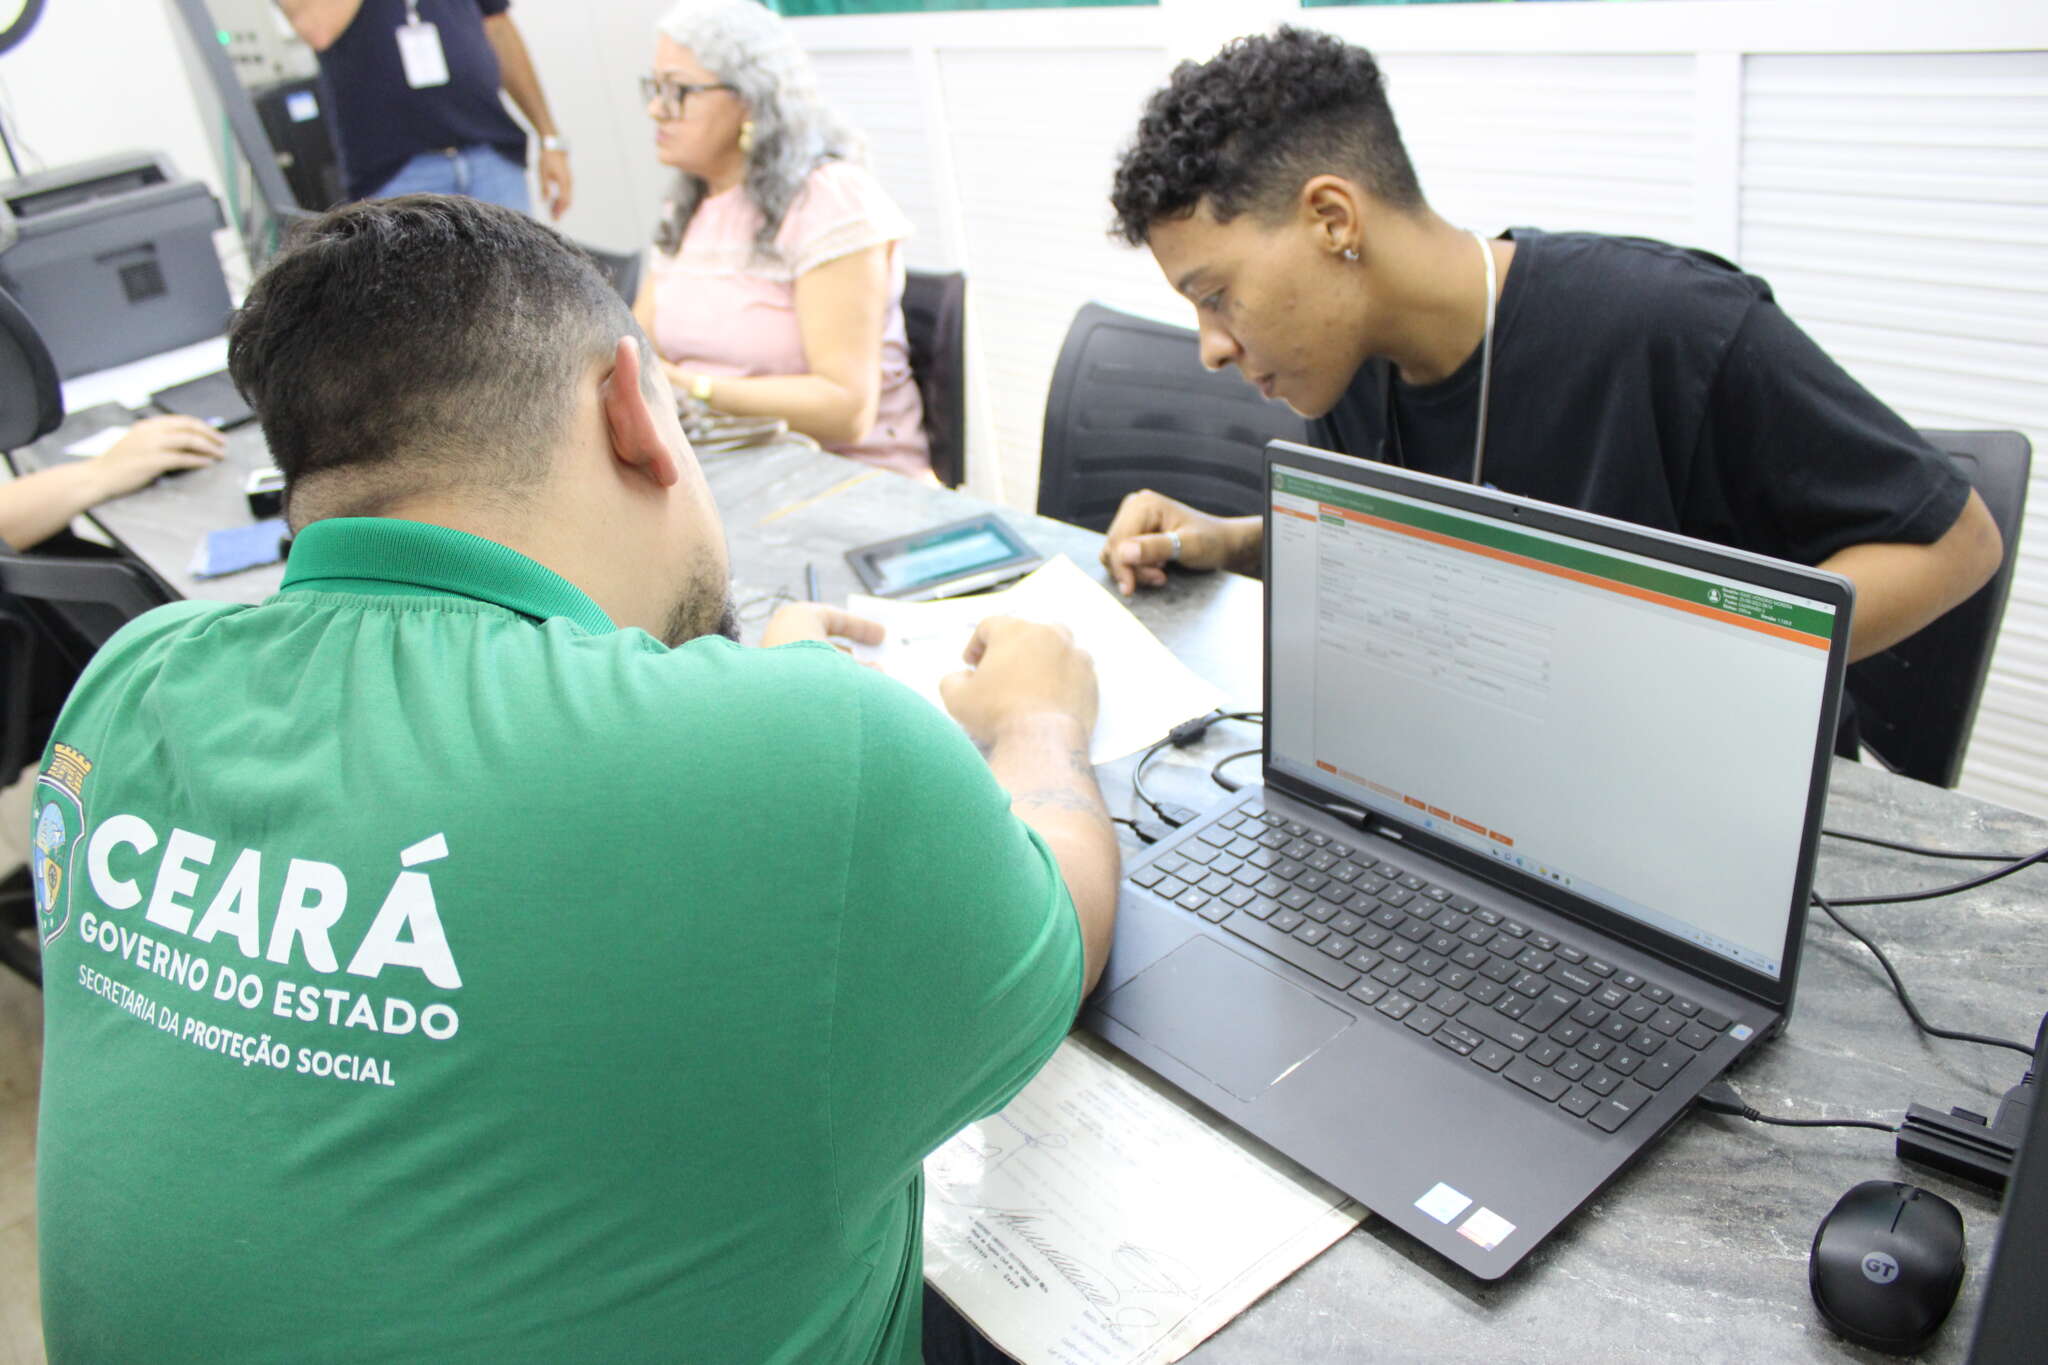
1722, 1099
1920, 849
1901, 897
1231, 784
1899, 989
1138, 773
1180, 737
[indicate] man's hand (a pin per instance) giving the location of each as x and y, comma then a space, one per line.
816, 621
555, 182
1018, 670
154, 446
1141, 541
1030, 700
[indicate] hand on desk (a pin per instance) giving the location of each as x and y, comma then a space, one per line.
816, 621
1141, 541
154, 446
1016, 671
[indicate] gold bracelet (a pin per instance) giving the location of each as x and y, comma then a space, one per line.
700, 388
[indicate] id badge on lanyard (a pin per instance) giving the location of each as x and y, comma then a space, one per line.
419, 50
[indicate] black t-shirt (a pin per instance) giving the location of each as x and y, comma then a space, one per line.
1663, 387
380, 122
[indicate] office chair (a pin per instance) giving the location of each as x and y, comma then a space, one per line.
67, 604
31, 397
622, 268
1917, 701
31, 405
1131, 407
55, 612
935, 323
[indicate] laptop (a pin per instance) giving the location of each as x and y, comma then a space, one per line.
1530, 864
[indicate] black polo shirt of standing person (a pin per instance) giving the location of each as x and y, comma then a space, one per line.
1662, 386
381, 122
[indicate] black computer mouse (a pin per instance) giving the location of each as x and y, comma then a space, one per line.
1886, 1264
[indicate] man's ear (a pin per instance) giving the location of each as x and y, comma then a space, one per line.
1334, 210
636, 437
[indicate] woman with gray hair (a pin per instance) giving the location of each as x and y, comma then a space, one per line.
775, 287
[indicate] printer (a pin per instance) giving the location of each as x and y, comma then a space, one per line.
113, 259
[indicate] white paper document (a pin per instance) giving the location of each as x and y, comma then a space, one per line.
1098, 1221
1145, 690
97, 444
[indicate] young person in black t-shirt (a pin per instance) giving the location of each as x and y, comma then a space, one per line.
1639, 380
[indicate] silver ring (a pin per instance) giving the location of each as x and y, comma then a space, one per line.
1173, 553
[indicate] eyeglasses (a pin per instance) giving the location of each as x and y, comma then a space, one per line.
668, 94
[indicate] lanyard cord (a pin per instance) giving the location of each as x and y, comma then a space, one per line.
1485, 362
1390, 439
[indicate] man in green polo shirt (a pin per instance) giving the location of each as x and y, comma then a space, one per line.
472, 954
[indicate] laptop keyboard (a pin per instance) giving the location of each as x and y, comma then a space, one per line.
1581, 1034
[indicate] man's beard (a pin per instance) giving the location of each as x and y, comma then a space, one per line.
704, 608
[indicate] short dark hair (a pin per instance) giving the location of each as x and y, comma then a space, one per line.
1247, 128
420, 342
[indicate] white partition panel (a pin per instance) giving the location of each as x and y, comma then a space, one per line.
1899, 206
1600, 143
1034, 138
882, 94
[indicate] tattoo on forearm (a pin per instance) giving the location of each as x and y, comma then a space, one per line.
1062, 798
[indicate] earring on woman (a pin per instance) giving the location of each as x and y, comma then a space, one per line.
747, 138
1350, 253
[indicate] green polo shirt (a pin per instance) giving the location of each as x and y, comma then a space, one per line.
436, 972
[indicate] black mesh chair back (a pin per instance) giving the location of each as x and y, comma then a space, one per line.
1131, 407
55, 613
31, 406
1916, 703
31, 399
935, 323
17, 684
92, 598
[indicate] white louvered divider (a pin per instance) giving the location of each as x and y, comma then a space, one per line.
1899, 206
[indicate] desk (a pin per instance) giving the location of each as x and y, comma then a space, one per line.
163, 524
1697, 1253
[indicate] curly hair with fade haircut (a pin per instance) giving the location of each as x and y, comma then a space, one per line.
1246, 129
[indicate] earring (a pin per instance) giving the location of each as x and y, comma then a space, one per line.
1350, 253
747, 138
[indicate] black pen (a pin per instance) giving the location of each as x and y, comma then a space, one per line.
811, 583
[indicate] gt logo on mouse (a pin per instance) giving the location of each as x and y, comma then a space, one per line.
1880, 1268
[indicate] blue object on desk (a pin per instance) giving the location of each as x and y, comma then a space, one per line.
240, 547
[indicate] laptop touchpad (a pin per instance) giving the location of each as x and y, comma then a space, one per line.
1230, 1019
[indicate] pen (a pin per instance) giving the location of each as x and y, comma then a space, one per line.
811, 583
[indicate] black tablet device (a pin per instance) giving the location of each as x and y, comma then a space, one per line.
946, 561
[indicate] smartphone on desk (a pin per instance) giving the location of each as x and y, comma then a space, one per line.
241, 547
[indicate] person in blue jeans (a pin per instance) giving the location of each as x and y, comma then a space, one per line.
413, 86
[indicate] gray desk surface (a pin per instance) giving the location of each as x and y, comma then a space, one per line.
1699, 1251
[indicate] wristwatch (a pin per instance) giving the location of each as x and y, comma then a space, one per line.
550, 143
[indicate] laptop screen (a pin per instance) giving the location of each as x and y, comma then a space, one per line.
1635, 732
